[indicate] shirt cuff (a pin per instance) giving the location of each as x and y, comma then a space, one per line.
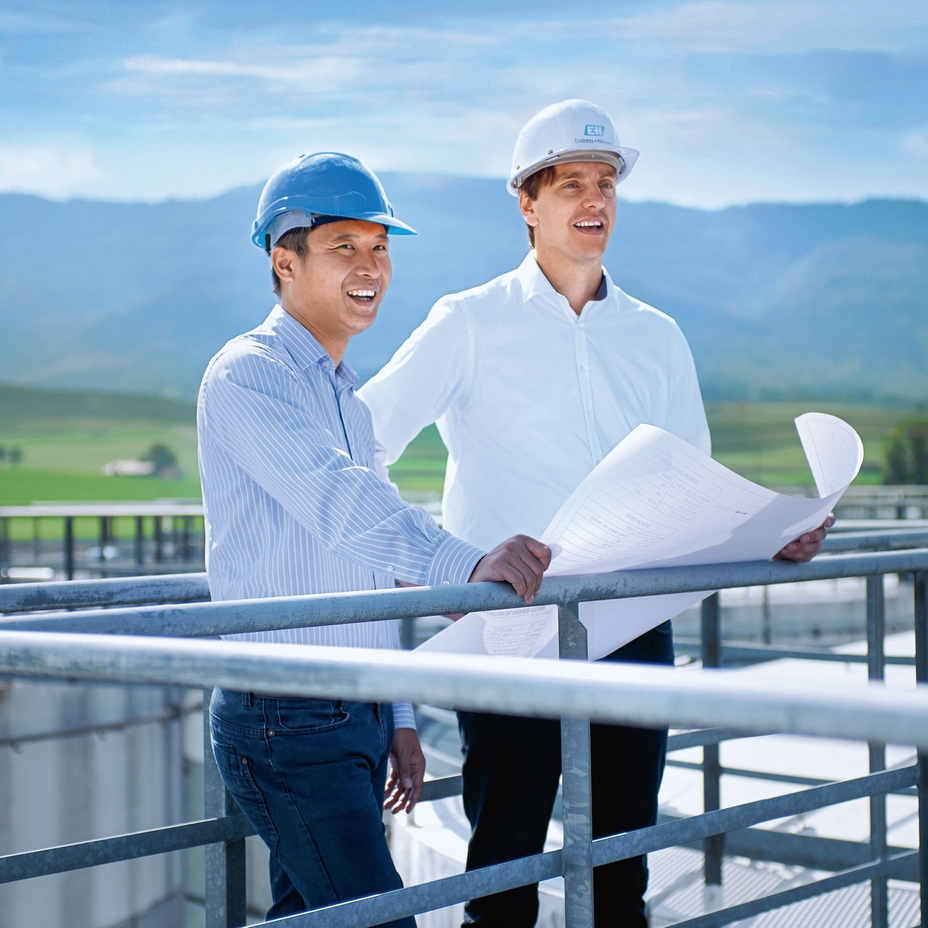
454, 562
403, 715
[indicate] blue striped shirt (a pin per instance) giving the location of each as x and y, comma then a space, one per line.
291, 503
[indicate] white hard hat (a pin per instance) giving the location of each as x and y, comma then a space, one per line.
564, 133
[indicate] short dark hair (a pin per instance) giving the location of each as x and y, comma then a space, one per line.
295, 241
532, 186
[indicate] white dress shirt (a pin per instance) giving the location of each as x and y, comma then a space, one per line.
290, 501
529, 397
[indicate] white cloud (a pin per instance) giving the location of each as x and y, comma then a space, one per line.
782, 26
56, 170
915, 143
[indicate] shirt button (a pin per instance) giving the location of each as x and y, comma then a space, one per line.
446, 583
271, 733
390, 567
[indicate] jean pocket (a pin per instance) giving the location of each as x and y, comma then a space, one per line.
308, 716
232, 766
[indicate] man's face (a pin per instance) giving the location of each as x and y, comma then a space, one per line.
574, 214
336, 288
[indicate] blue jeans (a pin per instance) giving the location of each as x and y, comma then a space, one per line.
310, 774
511, 771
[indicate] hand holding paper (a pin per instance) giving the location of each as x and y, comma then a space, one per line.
656, 501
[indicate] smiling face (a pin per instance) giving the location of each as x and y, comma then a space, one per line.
335, 289
573, 214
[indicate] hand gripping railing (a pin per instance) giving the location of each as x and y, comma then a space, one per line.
576, 692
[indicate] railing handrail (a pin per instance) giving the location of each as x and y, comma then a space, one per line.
642, 695
236, 616
96, 510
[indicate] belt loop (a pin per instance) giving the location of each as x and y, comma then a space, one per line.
247, 699
376, 706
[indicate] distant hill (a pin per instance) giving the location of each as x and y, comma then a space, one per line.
777, 301
33, 409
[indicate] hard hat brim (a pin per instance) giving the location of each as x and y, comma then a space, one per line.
393, 225
622, 159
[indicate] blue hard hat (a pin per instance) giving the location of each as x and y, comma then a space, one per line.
325, 185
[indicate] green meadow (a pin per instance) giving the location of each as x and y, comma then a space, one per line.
66, 438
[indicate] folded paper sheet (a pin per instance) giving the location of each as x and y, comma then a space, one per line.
656, 501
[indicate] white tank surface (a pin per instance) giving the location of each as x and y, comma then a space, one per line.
80, 762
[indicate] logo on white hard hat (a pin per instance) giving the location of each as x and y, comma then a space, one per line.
594, 130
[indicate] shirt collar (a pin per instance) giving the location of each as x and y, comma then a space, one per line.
304, 348
535, 284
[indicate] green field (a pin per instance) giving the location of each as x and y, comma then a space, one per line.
67, 437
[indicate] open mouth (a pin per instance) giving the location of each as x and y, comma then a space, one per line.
589, 225
363, 296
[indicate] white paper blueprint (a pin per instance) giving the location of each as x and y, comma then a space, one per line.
656, 501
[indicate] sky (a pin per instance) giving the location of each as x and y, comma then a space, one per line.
728, 101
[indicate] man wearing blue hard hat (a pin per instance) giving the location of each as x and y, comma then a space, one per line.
293, 506
533, 378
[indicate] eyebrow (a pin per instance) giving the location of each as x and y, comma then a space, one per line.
609, 172
354, 235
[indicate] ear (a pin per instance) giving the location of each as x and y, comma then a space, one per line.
527, 207
283, 261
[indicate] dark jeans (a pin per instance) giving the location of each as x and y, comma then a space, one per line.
511, 771
310, 774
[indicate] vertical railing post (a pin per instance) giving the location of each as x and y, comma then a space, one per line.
159, 539
101, 537
714, 846
139, 540
36, 540
224, 891
921, 676
69, 547
876, 664
576, 791
407, 634
5, 556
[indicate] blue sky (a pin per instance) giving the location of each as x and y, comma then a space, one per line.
729, 101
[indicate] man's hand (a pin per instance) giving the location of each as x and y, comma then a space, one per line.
806, 546
407, 772
520, 561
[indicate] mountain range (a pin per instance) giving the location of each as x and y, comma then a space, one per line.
777, 301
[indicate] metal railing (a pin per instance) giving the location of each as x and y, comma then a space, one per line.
162, 533
139, 645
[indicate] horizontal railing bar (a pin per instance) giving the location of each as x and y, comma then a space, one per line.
892, 540
636, 694
84, 854
771, 777
683, 740
67, 857
685, 831
163, 716
885, 868
427, 897
223, 618
81, 594
761, 653
413, 900
96, 510
441, 788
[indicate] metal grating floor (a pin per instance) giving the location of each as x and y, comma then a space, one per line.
677, 893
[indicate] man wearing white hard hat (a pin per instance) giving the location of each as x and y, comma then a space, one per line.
532, 379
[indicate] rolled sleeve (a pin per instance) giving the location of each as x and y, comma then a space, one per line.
454, 562
404, 716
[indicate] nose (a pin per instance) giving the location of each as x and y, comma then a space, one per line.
593, 197
368, 265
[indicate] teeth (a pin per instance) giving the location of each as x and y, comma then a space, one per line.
365, 293
593, 224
